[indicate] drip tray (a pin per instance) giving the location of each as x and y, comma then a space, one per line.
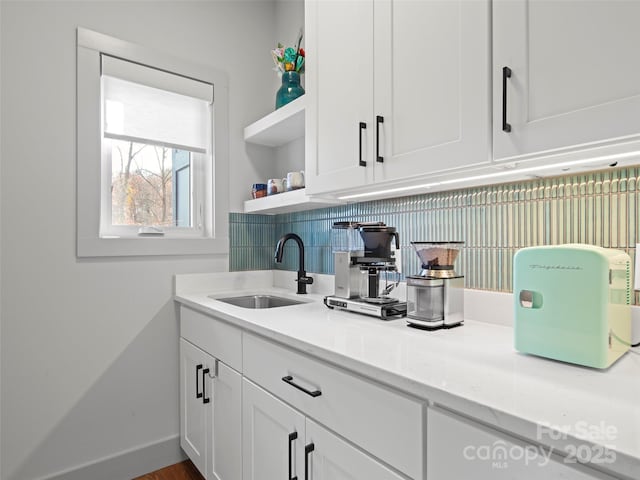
380, 300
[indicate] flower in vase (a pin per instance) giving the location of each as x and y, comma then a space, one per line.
289, 59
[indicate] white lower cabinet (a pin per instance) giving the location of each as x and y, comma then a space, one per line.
291, 416
327, 457
281, 443
459, 448
381, 421
224, 431
273, 436
210, 414
193, 425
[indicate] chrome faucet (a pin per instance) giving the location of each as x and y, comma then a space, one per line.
302, 279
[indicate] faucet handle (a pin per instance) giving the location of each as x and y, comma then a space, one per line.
303, 281
306, 280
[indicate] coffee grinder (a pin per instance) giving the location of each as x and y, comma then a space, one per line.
362, 256
435, 298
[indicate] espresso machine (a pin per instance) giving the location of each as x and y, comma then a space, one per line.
435, 297
365, 269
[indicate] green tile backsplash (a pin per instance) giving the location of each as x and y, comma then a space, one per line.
598, 208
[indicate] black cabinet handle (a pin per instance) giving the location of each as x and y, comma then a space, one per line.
204, 384
289, 379
363, 126
379, 120
198, 393
292, 437
506, 73
307, 451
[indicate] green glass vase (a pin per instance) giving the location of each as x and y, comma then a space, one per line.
290, 89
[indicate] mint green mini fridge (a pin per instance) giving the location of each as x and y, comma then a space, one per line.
572, 303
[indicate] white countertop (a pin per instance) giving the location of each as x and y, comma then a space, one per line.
472, 369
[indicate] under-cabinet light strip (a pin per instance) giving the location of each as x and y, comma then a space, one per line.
608, 158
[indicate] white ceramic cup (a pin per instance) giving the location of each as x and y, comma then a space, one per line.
275, 185
294, 180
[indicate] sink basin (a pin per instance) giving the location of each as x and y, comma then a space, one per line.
258, 301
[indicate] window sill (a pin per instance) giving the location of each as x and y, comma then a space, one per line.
126, 247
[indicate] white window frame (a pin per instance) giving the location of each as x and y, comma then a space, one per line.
91, 174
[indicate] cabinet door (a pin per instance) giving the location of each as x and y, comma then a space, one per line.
460, 448
346, 403
193, 362
269, 449
339, 41
334, 459
224, 425
432, 88
575, 73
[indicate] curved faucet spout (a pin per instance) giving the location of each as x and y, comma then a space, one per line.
280, 248
303, 280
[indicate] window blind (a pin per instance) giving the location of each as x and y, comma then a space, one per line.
146, 105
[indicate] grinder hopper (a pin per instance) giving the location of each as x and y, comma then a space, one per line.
437, 258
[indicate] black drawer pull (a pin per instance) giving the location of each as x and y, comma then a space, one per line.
204, 395
506, 73
379, 120
198, 392
289, 379
361, 162
307, 451
292, 437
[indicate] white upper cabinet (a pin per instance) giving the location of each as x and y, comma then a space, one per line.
575, 74
431, 86
398, 89
339, 72
422, 92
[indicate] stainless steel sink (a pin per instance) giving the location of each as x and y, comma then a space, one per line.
258, 301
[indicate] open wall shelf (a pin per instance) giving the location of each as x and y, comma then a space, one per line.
279, 127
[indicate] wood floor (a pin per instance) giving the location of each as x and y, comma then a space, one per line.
180, 471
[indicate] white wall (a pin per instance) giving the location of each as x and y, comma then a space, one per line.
0, 242
276, 162
289, 20
89, 351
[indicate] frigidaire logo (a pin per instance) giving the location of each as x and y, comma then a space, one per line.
554, 267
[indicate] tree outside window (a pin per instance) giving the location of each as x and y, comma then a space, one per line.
150, 185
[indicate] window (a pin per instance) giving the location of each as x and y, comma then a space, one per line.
152, 152
150, 119
150, 185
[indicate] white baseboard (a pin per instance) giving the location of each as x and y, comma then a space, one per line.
127, 464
